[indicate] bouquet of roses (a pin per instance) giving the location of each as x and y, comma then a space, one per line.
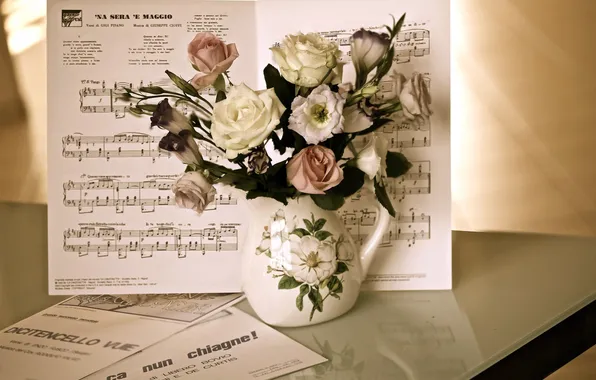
306, 113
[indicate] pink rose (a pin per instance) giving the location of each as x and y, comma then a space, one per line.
211, 56
314, 170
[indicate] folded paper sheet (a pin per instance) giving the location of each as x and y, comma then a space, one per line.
231, 345
84, 334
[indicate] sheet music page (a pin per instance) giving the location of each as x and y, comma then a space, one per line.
113, 224
416, 252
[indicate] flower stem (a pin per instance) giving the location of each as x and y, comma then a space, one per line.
352, 148
228, 77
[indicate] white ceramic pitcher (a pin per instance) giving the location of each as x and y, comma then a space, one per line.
300, 265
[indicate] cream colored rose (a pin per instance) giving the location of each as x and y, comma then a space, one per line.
305, 60
314, 170
193, 191
245, 119
211, 56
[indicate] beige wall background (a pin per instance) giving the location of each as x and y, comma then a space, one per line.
523, 118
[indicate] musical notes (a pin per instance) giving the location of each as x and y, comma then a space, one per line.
110, 100
408, 227
147, 195
105, 241
410, 43
402, 135
123, 145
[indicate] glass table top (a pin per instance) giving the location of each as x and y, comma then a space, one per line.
508, 289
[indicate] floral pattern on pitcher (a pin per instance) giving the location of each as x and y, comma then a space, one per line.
306, 257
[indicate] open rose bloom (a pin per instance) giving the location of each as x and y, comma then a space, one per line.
308, 134
211, 56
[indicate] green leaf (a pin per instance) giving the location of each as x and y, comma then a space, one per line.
272, 172
322, 235
287, 282
308, 225
194, 120
182, 84
384, 67
342, 267
352, 182
317, 300
298, 141
383, 198
397, 164
300, 299
147, 107
283, 89
337, 144
155, 90
329, 201
220, 96
398, 26
319, 224
220, 84
195, 67
135, 110
277, 143
334, 285
300, 232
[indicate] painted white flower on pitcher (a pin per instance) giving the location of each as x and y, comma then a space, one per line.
313, 261
310, 258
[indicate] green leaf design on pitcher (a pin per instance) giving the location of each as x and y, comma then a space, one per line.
318, 260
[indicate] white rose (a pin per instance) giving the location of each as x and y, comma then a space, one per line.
305, 60
193, 191
318, 116
245, 119
372, 160
414, 96
355, 120
313, 261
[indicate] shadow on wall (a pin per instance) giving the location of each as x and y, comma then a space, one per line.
523, 116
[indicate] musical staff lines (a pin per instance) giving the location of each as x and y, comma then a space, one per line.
408, 227
104, 241
402, 135
122, 145
86, 196
410, 43
415, 182
108, 100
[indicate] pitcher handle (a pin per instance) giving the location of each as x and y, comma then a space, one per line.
373, 240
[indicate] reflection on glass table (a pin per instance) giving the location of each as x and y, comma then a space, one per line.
510, 291
392, 335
